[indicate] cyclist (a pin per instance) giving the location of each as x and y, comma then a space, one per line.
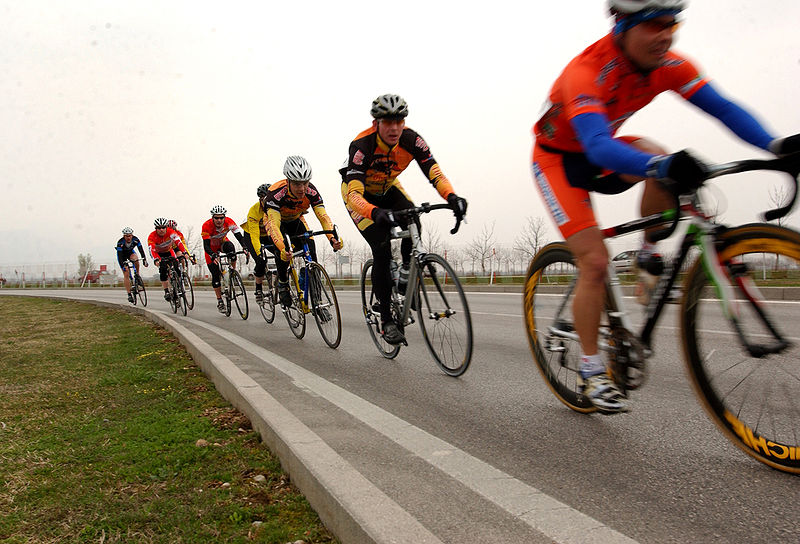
576, 151
174, 226
215, 240
164, 242
256, 237
126, 250
285, 203
370, 191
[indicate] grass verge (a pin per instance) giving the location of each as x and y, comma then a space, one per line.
110, 433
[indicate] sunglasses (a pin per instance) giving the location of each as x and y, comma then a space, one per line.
161, 228
218, 217
656, 26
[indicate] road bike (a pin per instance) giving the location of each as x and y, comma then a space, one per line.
233, 285
137, 284
187, 280
269, 287
434, 290
312, 291
177, 292
740, 349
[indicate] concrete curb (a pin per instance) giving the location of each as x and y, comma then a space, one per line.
349, 505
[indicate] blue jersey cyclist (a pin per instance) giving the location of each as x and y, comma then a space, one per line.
126, 251
576, 151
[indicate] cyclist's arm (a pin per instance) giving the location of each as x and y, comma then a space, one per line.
254, 231
355, 197
422, 154
141, 250
604, 150
207, 246
274, 228
177, 242
324, 219
736, 118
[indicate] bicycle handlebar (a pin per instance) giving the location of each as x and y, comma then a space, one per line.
789, 164
427, 207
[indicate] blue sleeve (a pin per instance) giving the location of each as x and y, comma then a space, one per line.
604, 150
739, 121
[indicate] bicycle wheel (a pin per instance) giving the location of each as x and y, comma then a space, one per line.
267, 304
324, 305
547, 302
239, 295
372, 317
188, 289
444, 315
294, 313
181, 292
141, 292
752, 399
173, 294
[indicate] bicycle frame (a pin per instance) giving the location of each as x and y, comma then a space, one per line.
305, 253
701, 234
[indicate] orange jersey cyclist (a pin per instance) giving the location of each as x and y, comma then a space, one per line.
161, 243
284, 204
370, 191
576, 151
215, 241
126, 250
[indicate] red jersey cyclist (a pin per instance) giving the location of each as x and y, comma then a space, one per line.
126, 250
576, 151
370, 190
215, 241
284, 204
161, 242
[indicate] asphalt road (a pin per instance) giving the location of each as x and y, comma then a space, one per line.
474, 455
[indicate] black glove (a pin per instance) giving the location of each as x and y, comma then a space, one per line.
458, 205
785, 146
679, 173
382, 218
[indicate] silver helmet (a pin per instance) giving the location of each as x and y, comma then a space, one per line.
218, 210
127, 230
389, 105
296, 168
635, 6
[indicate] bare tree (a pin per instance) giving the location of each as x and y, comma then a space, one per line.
85, 263
480, 248
778, 197
532, 237
432, 240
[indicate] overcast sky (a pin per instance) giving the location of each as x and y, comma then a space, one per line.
117, 112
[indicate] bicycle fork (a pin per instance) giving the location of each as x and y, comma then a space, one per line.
723, 276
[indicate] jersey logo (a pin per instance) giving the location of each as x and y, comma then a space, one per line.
420, 143
358, 158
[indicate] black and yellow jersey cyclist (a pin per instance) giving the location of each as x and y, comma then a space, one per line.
370, 190
284, 204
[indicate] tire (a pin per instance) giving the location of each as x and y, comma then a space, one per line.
188, 289
325, 305
372, 317
551, 276
754, 401
239, 295
173, 293
267, 306
444, 316
181, 292
141, 292
294, 313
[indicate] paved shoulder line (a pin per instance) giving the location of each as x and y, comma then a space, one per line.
554, 519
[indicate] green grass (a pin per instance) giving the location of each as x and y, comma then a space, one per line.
100, 417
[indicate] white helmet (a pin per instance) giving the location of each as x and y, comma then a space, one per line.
160, 222
218, 210
389, 105
296, 168
127, 230
635, 6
